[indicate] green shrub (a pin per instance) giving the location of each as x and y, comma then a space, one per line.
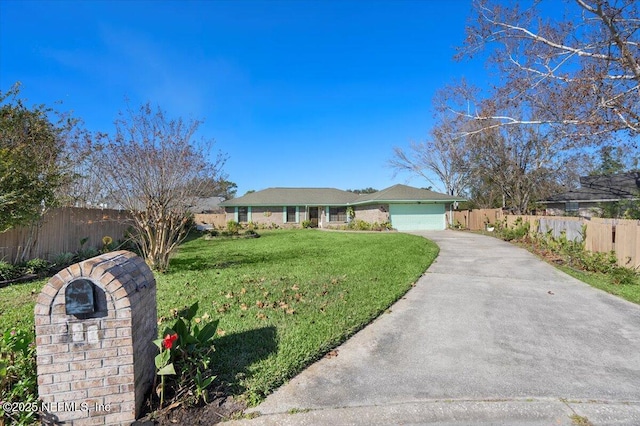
8, 271
64, 259
518, 232
307, 224
624, 276
575, 255
233, 227
184, 361
37, 266
86, 253
250, 233
361, 225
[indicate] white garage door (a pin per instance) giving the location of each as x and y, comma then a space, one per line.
414, 217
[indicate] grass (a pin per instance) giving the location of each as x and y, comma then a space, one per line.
16, 305
630, 292
283, 300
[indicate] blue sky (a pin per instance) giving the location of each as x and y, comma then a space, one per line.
297, 93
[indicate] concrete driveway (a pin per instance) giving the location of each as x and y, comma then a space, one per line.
489, 335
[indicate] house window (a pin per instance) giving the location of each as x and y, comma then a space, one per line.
338, 214
243, 214
571, 206
290, 213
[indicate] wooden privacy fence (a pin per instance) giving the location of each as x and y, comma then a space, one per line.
62, 230
620, 235
215, 220
602, 235
476, 220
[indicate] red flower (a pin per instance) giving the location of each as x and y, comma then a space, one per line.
168, 340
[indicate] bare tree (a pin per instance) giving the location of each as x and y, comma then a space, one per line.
440, 160
579, 75
520, 164
152, 167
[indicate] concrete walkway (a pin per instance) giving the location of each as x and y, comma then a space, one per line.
489, 335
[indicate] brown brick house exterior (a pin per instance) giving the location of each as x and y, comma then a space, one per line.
327, 207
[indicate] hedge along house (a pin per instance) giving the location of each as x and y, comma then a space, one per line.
407, 208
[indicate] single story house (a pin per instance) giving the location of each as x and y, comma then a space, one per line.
594, 191
405, 207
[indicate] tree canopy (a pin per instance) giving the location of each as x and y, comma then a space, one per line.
33, 166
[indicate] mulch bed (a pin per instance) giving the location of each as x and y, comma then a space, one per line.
220, 409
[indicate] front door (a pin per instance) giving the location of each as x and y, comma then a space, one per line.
313, 216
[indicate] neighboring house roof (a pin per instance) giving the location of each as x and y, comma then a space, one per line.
336, 197
205, 205
293, 196
601, 189
400, 193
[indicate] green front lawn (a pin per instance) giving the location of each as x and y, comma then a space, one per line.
630, 292
283, 300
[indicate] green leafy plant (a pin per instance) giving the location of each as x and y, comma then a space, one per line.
163, 366
233, 227
623, 276
361, 225
34, 266
85, 252
18, 379
37, 266
8, 271
184, 361
573, 253
351, 214
519, 231
63, 259
306, 224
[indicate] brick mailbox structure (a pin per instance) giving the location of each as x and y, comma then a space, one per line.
95, 325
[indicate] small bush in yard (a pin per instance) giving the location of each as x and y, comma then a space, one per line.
37, 266
624, 276
63, 259
518, 232
573, 254
233, 227
8, 271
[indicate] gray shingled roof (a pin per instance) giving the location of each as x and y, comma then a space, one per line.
293, 197
335, 197
399, 193
206, 205
602, 188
